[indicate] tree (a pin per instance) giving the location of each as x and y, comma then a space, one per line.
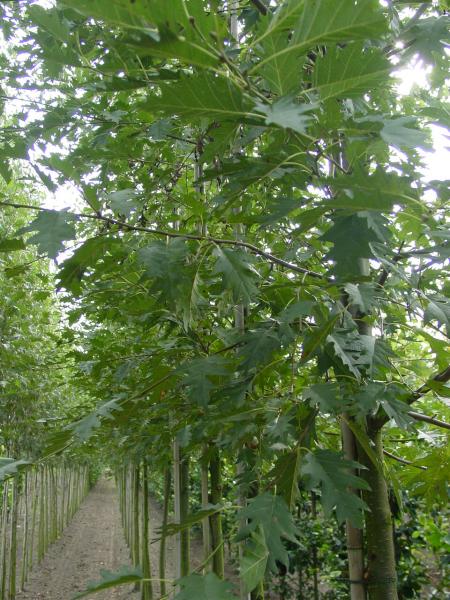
301, 145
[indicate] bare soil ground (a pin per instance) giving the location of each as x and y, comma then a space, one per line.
94, 541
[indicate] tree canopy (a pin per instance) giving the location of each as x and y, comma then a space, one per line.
254, 258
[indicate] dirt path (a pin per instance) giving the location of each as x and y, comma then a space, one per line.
94, 541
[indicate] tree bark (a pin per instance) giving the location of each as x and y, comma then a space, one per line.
206, 532
381, 573
26, 527
4, 541
13, 539
135, 491
354, 536
177, 504
184, 512
216, 519
162, 547
314, 549
146, 588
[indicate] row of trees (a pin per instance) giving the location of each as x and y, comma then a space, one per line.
36, 500
257, 272
35, 509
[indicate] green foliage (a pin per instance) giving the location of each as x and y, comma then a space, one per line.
111, 580
285, 113
361, 296
378, 191
192, 519
272, 515
331, 472
361, 20
9, 467
73, 269
238, 273
327, 396
431, 484
353, 352
200, 377
295, 311
428, 37
53, 227
173, 276
206, 587
255, 248
254, 559
438, 309
286, 473
201, 96
172, 36
363, 228
11, 245
401, 133
258, 347
31, 388
316, 338
349, 72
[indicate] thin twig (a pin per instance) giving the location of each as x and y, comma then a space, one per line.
188, 236
426, 419
385, 272
416, 16
441, 377
381, 417
260, 6
403, 460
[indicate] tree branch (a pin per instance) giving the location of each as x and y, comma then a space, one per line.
427, 419
419, 12
441, 377
259, 4
381, 418
385, 272
403, 460
187, 236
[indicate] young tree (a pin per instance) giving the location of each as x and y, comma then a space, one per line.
314, 223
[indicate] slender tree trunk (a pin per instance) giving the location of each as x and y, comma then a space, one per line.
355, 546
41, 520
299, 558
239, 313
206, 537
136, 544
13, 539
46, 527
258, 592
216, 519
177, 504
381, 567
69, 493
62, 480
162, 547
147, 588
354, 536
34, 506
4, 541
314, 549
53, 495
181, 510
184, 512
26, 529
123, 495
